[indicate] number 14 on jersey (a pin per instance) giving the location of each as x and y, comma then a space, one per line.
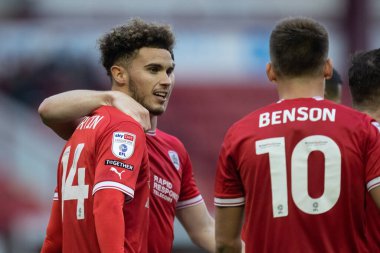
74, 192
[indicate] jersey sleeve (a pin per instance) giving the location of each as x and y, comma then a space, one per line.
53, 239
120, 152
189, 195
373, 157
228, 187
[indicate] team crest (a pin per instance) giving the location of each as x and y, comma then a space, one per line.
175, 159
123, 144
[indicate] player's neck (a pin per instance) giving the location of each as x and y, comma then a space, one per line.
153, 122
300, 87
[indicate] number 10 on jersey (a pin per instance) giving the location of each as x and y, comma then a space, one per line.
275, 147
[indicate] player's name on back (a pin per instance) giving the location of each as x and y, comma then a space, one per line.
89, 122
296, 114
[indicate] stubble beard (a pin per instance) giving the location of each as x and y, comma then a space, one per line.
141, 99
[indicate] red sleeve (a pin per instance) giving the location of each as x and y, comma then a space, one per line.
119, 155
373, 157
53, 239
228, 186
109, 220
190, 194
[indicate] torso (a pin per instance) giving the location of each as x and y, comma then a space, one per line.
302, 168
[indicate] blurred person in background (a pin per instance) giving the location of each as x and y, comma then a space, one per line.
101, 203
297, 170
138, 61
333, 88
364, 83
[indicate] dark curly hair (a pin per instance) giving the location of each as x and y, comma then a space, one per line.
123, 42
364, 80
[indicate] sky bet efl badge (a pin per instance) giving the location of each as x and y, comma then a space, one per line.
123, 144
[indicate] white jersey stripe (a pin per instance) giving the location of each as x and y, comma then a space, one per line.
229, 202
114, 185
190, 202
373, 183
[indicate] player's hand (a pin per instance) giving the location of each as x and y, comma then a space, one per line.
131, 107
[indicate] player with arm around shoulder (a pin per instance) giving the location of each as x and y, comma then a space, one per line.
150, 77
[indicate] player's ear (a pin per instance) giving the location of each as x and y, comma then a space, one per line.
270, 72
328, 69
119, 74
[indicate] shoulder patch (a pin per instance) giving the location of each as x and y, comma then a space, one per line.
174, 158
123, 144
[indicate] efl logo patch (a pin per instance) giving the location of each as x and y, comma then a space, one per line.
175, 159
123, 144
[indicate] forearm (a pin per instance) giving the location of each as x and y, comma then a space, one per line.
63, 111
232, 247
199, 225
109, 220
72, 105
205, 239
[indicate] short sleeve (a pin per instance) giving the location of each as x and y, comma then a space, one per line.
373, 157
189, 194
228, 186
120, 151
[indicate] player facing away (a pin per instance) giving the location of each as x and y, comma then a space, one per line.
147, 66
102, 196
333, 87
364, 83
297, 170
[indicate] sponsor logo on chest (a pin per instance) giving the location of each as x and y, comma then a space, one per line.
164, 189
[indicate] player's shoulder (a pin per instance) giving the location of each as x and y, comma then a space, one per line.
352, 114
170, 139
115, 116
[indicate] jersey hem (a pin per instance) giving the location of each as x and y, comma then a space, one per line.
114, 185
190, 202
373, 183
229, 202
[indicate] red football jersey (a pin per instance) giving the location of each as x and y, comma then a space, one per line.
373, 225
301, 167
106, 151
172, 187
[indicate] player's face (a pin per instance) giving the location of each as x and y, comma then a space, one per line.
151, 79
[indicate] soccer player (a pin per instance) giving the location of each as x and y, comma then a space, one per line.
148, 71
102, 196
297, 170
364, 83
333, 87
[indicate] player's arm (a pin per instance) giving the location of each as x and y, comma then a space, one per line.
199, 225
228, 224
53, 239
375, 194
109, 220
63, 111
